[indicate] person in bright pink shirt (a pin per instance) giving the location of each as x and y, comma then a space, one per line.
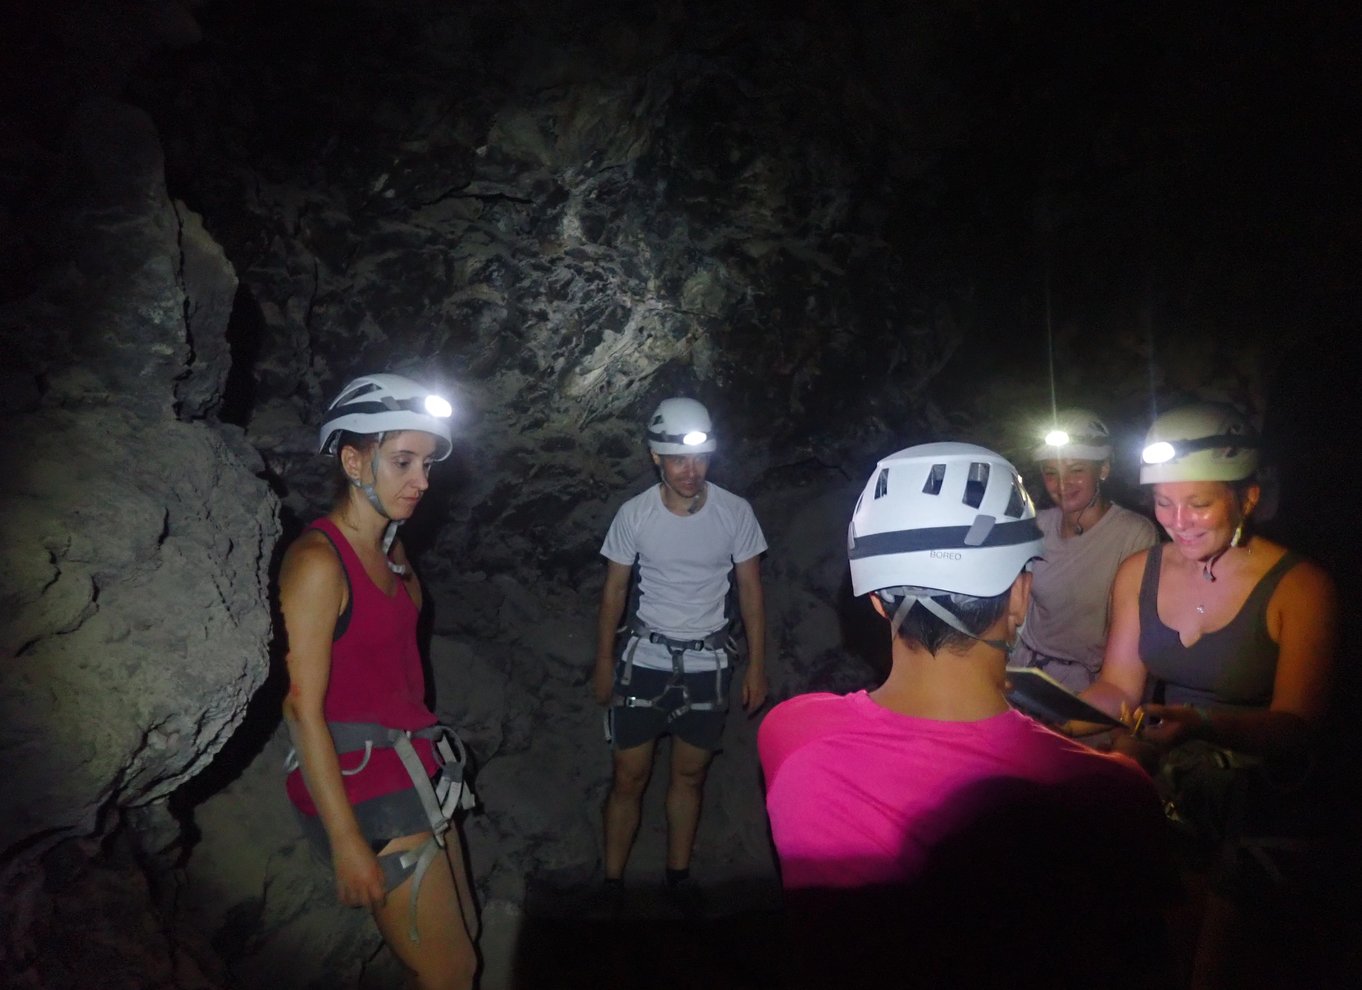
925, 829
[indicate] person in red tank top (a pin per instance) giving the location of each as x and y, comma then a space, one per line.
350, 604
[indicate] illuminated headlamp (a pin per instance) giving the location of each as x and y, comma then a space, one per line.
429, 405
1059, 438
1163, 451
693, 438
438, 407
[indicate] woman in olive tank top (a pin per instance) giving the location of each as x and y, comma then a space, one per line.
1232, 637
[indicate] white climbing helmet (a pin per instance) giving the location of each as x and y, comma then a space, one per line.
942, 518
384, 404
1206, 441
1074, 434
680, 426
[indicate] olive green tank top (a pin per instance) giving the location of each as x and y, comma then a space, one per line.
1233, 666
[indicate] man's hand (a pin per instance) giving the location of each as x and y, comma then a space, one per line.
754, 688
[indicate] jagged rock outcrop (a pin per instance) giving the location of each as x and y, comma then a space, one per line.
134, 557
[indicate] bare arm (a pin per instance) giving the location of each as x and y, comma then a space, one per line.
752, 605
614, 596
1303, 620
1120, 685
311, 593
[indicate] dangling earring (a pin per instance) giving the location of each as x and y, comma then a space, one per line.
1238, 534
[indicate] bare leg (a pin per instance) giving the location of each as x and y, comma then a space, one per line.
444, 959
684, 792
633, 767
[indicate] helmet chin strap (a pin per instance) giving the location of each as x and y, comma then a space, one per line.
1078, 518
946, 616
390, 533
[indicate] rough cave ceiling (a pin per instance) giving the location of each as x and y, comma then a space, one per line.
844, 227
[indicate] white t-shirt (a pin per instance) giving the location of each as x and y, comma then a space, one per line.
1071, 587
683, 561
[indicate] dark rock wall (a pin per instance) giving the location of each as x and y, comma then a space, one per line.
135, 534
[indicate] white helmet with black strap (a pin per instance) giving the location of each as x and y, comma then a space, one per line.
1074, 434
680, 426
384, 403
937, 520
374, 406
1204, 441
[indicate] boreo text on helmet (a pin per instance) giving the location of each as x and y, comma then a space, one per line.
941, 519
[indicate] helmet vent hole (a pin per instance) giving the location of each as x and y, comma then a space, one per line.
354, 394
935, 477
976, 485
1016, 501
882, 483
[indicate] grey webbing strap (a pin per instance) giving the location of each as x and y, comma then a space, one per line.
946, 616
439, 822
677, 683
389, 535
678, 655
423, 855
438, 805
716, 641
345, 743
445, 792
901, 613
627, 674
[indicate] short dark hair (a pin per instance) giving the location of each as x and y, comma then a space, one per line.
921, 628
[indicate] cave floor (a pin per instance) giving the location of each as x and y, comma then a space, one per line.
725, 937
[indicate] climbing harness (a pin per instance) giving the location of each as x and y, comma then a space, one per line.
440, 800
719, 641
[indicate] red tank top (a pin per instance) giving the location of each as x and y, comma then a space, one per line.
376, 676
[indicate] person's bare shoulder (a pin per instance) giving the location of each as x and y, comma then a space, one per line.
311, 565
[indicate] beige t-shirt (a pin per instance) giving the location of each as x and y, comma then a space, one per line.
1071, 587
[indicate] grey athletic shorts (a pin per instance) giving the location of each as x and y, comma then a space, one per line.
381, 819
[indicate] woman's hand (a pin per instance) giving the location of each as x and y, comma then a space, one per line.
1168, 725
359, 878
1146, 754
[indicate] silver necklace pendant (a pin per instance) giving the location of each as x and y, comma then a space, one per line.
1201, 610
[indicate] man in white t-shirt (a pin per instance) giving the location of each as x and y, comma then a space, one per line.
685, 536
